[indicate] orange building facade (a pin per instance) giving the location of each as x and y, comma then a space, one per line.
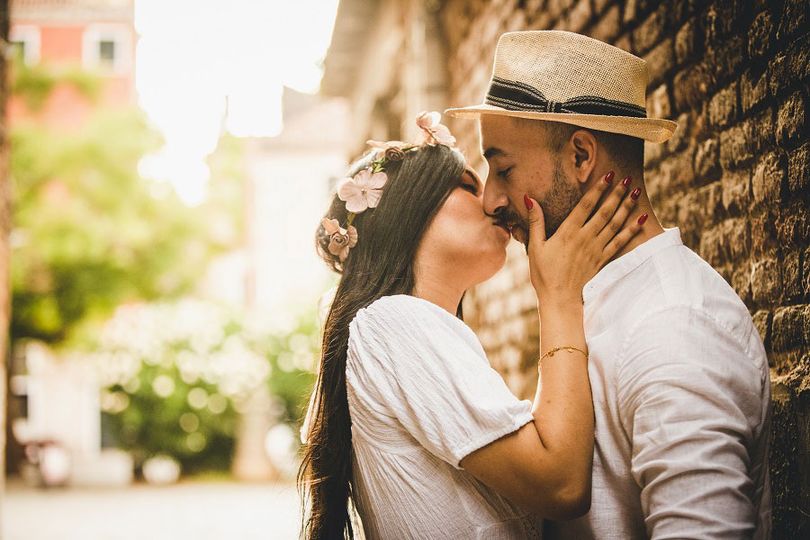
93, 37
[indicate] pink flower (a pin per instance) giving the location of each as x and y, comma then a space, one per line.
434, 132
340, 240
363, 191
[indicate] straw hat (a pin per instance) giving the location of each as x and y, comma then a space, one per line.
566, 77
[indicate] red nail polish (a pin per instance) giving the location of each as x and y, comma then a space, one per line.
627, 181
635, 194
609, 177
528, 202
643, 218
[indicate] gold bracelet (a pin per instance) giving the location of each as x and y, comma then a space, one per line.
557, 349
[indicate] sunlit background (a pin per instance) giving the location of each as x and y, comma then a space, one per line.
170, 161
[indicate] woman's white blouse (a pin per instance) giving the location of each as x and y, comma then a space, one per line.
422, 396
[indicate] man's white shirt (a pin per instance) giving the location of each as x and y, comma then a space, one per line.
681, 395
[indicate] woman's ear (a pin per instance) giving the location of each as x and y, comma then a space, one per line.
584, 146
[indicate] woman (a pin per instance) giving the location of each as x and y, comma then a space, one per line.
408, 422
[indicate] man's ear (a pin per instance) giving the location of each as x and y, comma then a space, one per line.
584, 147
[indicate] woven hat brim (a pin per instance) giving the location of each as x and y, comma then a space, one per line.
656, 130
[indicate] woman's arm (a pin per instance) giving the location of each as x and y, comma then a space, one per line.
546, 465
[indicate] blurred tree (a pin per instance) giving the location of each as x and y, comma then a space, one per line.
4, 254
87, 231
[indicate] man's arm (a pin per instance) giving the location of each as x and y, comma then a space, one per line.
690, 399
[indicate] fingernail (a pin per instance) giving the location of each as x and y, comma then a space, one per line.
627, 181
643, 218
609, 177
635, 194
528, 202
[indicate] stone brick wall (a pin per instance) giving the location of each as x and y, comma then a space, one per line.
734, 74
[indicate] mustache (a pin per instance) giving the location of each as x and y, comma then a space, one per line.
507, 218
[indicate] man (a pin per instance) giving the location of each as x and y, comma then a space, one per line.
679, 374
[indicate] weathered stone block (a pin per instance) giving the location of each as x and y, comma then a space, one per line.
791, 275
741, 281
723, 107
794, 19
737, 144
607, 27
658, 103
580, 15
791, 119
791, 328
760, 35
707, 160
753, 88
711, 246
650, 31
724, 19
769, 177
799, 170
766, 281
600, 5
660, 61
763, 232
680, 139
677, 171
793, 225
691, 86
790, 67
688, 42
762, 322
737, 239
806, 273
736, 187
725, 59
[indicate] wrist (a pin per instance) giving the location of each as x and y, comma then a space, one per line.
559, 301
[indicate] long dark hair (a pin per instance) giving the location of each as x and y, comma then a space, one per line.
381, 264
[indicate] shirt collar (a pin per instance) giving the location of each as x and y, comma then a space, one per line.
618, 268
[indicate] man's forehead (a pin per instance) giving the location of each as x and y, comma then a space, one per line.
498, 135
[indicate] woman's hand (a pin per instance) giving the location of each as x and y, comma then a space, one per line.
562, 265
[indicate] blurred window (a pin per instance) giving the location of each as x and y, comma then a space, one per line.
105, 48
25, 43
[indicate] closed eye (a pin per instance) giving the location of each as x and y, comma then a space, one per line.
504, 173
469, 187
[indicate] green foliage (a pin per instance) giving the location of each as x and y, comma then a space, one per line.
176, 375
293, 357
200, 438
88, 233
35, 83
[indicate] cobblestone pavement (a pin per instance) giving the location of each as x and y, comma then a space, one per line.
198, 511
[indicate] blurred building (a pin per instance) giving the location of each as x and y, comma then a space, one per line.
81, 54
83, 38
277, 276
289, 180
735, 178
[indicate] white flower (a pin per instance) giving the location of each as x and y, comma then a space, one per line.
363, 191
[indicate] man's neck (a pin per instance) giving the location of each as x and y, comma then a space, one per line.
651, 228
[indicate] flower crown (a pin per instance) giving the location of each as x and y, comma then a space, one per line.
364, 189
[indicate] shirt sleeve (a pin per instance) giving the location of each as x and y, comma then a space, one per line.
690, 397
426, 369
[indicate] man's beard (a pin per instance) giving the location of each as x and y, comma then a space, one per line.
560, 200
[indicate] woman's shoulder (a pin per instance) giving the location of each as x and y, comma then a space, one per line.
398, 310
402, 303
394, 318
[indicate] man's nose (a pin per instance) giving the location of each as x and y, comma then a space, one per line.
495, 200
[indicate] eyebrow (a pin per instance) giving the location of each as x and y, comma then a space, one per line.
492, 151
